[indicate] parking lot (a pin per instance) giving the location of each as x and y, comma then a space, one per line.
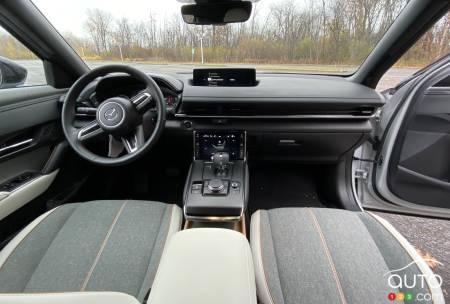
432, 239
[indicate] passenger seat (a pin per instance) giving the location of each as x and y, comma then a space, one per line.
313, 255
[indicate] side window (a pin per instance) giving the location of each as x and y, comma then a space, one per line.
19, 67
433, 45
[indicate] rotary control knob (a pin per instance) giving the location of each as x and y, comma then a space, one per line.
215, 185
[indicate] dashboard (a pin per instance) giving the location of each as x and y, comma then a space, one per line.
289, 117
271, 95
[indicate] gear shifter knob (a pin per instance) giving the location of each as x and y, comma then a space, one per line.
220, 161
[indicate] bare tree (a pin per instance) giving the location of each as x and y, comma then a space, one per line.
98, 26
289, 31
123, 37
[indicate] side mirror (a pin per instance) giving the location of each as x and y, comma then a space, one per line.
11, 74
216, 13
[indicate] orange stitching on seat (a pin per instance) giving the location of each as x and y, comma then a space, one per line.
330, 260
102, 247
261, 261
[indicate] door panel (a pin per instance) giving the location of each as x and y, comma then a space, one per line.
33, 160
13, 199
420, 167
22, 108
30, 131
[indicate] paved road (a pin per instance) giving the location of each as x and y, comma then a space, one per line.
429, 236
36, 71
394, 76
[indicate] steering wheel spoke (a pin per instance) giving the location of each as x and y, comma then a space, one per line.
135, 141
115, 147
142, 100
89, 131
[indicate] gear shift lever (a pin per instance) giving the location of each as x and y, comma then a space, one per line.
220, 162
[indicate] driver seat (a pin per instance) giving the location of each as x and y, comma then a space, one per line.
108, 246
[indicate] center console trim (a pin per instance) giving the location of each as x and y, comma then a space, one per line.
211, 218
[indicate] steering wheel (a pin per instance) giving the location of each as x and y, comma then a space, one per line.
119, 117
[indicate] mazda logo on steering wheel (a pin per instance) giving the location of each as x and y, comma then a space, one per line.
110, 114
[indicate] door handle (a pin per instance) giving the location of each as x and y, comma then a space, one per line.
15, 147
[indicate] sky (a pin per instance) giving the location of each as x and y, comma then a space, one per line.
70, 15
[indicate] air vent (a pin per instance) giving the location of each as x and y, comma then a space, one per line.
270, 110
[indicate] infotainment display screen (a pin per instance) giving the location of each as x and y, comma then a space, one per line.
236, 77
209, 142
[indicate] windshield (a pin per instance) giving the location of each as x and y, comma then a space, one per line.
296, 36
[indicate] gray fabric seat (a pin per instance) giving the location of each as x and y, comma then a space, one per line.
92, 246
311, 255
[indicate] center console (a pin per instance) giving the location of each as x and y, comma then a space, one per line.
217, 185
204, 266
212, 251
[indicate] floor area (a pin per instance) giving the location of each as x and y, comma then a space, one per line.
277, 186
431, 237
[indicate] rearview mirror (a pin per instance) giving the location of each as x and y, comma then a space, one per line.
11, 74
216, 13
